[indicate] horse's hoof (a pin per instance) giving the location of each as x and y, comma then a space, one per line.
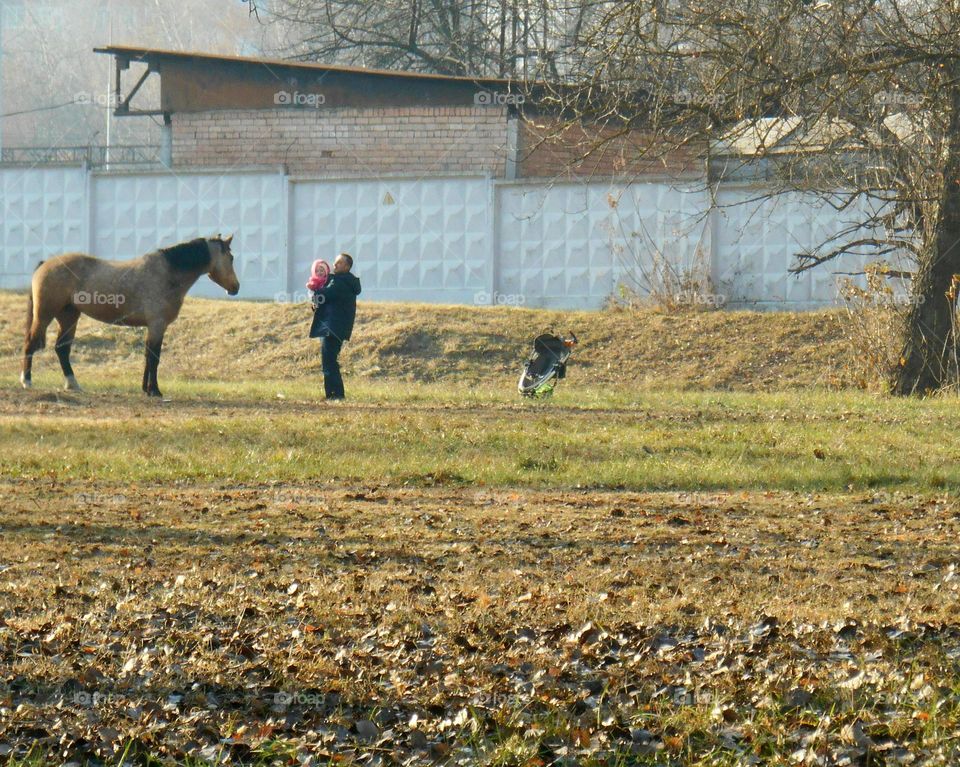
72, 385
25, 382
154, 393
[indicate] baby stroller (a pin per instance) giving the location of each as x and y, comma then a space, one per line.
547, 364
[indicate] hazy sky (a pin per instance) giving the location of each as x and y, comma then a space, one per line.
51, 75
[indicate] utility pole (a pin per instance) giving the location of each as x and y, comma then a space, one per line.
110, 105
2, 5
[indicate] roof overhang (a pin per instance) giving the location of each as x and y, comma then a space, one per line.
197, 82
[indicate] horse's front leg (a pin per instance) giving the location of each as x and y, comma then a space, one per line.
152, 362
67, 319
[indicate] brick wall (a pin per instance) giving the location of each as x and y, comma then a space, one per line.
421, 140
551, 148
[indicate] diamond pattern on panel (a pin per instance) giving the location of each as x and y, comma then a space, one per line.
136, 214
424, 240
659, 236
758, 241
570, 244
43, 214
564, 245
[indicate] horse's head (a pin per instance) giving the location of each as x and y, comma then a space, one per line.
221, 265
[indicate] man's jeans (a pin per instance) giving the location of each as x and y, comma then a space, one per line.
332, 381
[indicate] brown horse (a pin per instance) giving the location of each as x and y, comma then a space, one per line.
147, 292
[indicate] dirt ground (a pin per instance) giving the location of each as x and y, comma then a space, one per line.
383, 625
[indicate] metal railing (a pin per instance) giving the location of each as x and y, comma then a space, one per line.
126, 155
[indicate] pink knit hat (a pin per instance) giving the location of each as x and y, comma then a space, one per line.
319, 274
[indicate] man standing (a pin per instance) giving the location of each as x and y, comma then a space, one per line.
335, 308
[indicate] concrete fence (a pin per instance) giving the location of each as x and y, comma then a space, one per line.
447, 239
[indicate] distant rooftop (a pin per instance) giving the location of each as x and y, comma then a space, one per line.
198, 82
134, 54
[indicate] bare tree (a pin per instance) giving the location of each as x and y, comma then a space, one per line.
866, 92
497, 38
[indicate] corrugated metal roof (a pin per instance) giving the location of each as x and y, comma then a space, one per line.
787, 135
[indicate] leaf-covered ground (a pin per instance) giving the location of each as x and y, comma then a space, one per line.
320, 623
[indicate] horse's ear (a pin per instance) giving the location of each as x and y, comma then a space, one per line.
228, 240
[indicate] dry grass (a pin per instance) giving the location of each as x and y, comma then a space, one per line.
222, 340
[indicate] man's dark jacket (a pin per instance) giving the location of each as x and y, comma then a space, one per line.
335, 307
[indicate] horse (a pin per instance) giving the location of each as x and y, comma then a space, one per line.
146, 292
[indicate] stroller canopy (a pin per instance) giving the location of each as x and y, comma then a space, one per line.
548, 348
546, 365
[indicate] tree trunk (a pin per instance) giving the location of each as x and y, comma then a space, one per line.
929, 358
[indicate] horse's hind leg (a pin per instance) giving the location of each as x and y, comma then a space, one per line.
67, 319
36, 335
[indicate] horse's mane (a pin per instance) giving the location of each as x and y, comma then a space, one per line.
190, 256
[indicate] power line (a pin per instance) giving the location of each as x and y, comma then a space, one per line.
39, 109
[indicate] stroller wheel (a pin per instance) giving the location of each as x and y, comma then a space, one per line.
533, 386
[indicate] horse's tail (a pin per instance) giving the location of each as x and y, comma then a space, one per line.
26, 341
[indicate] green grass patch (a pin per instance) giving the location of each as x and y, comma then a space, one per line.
402, 433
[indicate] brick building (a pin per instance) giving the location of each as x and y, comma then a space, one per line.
318, 120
